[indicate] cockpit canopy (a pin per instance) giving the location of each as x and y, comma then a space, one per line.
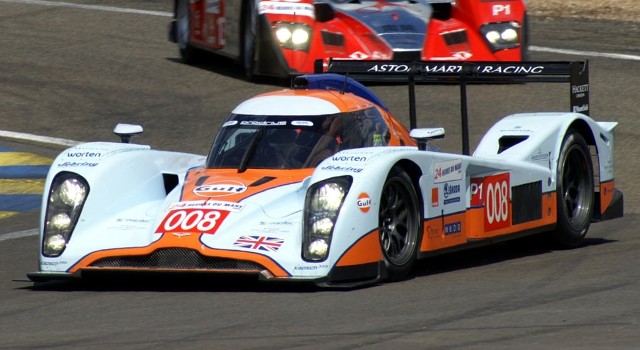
293, 142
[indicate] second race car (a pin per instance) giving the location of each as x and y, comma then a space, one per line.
284, 37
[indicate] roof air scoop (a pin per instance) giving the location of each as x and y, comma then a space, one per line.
127, 131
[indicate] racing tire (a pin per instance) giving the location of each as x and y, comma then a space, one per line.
399, 224
249, 35
524, 43
188, 53
575, 191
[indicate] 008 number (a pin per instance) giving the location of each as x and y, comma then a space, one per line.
497, 203
191, 220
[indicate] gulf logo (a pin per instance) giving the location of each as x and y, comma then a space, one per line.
220, 189
364, 202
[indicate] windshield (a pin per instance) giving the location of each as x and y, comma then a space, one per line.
293, 142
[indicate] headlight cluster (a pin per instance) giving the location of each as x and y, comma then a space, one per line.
322, 206
294, 36
501, 36
66, 197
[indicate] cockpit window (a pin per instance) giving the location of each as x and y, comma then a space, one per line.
293, 142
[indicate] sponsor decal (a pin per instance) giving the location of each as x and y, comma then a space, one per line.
434, 197
262, 123
358, 55
489, 69
84, 154
267, 244
517, 128
577, 89
311, 267
76, 164
208, 204
393, 68
286, 8
449, 170
493, 192
364, 202
540, 156
579, 109
451, 193
192, 221
220, 189
433, 232
301, 123
230, 123
341, 169
349, 159
452, 228
181, 234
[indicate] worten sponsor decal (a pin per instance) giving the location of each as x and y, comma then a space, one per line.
220, 189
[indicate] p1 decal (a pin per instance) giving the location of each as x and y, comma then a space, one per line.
192, 220
220, 189
494, 193
364, 202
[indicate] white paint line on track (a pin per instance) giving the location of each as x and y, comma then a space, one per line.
585, 53
19, 234
37, 138
92, 7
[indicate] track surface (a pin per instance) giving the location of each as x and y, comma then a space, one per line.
74, 73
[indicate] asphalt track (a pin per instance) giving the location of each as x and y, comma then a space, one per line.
73, 73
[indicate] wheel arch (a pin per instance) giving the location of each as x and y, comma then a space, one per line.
415, 173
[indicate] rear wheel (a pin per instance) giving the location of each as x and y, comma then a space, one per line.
575, 190
399, 224
189, 54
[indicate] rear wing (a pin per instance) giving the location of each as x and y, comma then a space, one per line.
575, 73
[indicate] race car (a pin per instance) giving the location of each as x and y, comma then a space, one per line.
284, 37
321, 183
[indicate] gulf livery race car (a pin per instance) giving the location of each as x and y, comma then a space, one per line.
321, 183
285, 37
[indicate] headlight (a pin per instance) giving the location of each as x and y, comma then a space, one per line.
502, 36
67, 195
322, 205
294, 36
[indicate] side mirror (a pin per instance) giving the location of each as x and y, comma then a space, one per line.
127, 131
424, 135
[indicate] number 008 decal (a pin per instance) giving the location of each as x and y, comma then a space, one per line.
192, 220
493, 192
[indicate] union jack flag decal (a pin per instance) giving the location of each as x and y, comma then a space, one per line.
268, 244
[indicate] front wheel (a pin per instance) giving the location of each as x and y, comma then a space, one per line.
399, 224
249, 34
575, 190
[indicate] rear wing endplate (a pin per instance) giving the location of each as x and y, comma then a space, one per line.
575, 73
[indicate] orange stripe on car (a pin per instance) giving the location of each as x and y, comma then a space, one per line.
607, 190
366, 250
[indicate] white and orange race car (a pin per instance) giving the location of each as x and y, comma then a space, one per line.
283, 37
321, 183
